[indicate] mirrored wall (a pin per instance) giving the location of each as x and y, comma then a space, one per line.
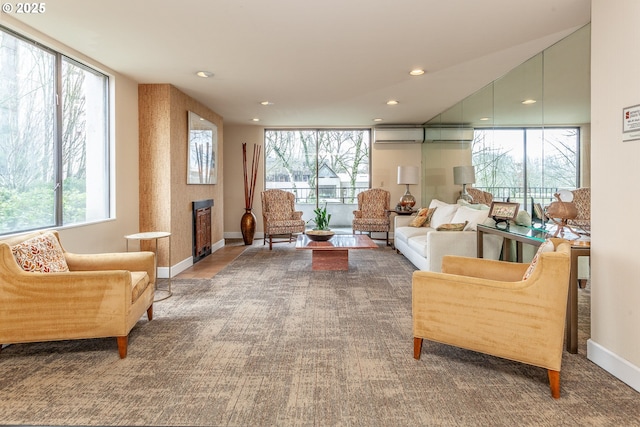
552, 89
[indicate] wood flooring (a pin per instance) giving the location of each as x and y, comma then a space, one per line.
209, 266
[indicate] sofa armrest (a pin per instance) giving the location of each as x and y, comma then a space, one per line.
357, 214
296, 215
130, 261
402, 220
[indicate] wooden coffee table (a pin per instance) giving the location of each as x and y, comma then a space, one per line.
334, 253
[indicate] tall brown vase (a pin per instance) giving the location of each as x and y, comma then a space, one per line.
248, 226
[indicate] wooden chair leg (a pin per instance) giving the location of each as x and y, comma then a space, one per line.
122, 346
554, 383
417, 347
270, 242
150, 312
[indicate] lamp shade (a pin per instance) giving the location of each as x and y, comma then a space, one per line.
408, 174
464, 175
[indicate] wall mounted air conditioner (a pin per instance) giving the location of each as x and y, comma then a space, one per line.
448, 134
398, 135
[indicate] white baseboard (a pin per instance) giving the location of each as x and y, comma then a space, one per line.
620, 368
238, 235
163, 272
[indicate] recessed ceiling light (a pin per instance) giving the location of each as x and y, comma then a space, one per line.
204, 74
529, 101
392, 102
484, 119
266, 103
377, 119
255, 119
416, 72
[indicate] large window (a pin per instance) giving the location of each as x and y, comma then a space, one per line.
319, 166
54, 150
526, 165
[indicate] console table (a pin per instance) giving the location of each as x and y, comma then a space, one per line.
536, 236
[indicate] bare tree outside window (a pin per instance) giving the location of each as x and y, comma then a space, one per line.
526, 164
49, 179
318, 166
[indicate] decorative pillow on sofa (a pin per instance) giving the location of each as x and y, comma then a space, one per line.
547, 246
452, 227
40, 254
423, 219
418, 221
472, 216
443, 214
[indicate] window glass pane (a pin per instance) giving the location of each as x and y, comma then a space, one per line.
27, 135
290, 162
498, 157
319, 166
526, 165
85, 178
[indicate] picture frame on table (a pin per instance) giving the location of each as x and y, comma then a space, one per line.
503, 211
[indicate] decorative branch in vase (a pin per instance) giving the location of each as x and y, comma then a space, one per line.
248, 220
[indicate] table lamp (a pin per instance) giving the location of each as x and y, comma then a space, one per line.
408, 175
463, 175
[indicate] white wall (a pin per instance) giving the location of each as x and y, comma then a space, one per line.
107, 236
615, 280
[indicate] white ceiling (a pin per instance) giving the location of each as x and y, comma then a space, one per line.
321, 63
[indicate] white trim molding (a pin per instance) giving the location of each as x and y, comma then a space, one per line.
620, 368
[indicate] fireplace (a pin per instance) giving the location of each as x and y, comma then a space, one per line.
201, 229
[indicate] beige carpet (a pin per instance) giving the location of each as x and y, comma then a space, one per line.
267, 342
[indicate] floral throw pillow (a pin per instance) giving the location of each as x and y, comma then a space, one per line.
547, 246
41, 254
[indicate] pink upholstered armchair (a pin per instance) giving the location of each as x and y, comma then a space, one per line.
279, 215
373, 212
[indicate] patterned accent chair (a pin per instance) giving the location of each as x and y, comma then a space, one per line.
279, 215
582, 201
479, 196
373, 212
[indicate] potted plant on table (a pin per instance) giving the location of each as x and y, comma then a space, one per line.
321, 231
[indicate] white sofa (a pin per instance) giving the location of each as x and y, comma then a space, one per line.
425, 246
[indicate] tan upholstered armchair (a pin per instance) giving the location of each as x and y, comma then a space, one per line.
89, 296
279, 215
373, 212
486, 306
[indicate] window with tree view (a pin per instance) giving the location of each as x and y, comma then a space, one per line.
526, 165
54, 151
319, 166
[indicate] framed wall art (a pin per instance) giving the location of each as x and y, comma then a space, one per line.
202, 160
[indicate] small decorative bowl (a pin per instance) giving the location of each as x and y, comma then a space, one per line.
320, 235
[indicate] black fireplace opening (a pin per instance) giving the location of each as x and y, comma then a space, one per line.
201, 229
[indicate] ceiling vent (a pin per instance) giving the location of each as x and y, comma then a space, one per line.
448, 134
398, 135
